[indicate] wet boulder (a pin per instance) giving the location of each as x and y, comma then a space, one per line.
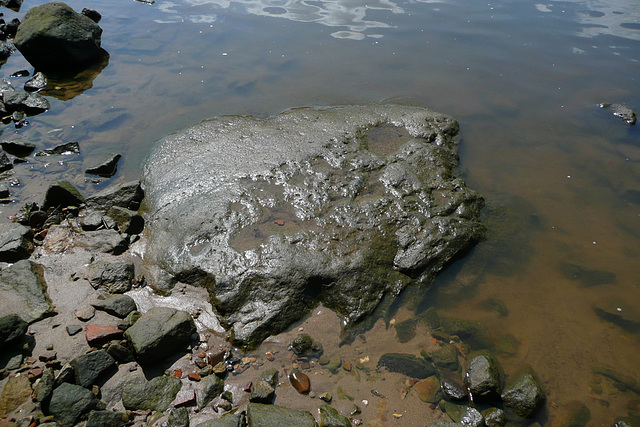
160, 332
264, 390
126, 195
69, 402
261, 415
211, 387
53, 37
524, 396
24, 291
485, 378
336, 205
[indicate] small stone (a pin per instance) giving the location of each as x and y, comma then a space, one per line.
270, 357
48, 355
185, 397
299, 381
86, 314
346, 365
326, 396
99, 334
177, 373
36, 83
107, 168
194, 376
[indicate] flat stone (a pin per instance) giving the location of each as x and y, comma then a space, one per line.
368, 196
15, 242
126, 195
99, 334
93, 367
428, 389
73, 329
185, 397
406, 364
116, 305
61, 150
261, 415
106, 168
156, 394
105, 241
86, 314
107, 419
24, 291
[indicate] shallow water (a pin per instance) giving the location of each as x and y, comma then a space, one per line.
560, 175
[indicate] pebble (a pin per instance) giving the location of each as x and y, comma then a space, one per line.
270, 356
299, 381
194, 376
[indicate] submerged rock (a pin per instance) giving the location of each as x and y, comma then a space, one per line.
524, 396
406, 364
339, 205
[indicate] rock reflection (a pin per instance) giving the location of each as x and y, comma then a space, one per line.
349, 14
68, 87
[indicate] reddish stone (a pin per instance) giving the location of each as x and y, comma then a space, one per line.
185, 397
247, 388
97, 334
177, 373
300, 381
279, 222
35, 372
194, 376
216, 357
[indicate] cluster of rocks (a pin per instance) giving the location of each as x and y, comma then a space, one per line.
16, 103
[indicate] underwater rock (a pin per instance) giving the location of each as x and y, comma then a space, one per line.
299, 381
336, 205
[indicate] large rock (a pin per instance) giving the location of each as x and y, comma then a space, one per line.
339, 205
15, 242
62, 194
12, 328
485, 378
114, 277
93, 367
116, 305
262, 415
212, 386
155, 395
53, 37
24, 291
524, 396
126, 195
69, 402
16, 391
160, 332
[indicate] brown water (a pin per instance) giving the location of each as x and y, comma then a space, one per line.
560, 175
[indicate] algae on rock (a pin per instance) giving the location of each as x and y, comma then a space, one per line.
342, 206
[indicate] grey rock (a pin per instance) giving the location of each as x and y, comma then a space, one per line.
106, 241
261, 415
160, 332
53, 37
114, 277
65, 375
69, 402
5, 162
485, 378
156, 394
330, 417
61, 150
120, 353
211, 387
494, 417
179, 417
92, 367
126, 220
15, 242
85, 314
73, 329
43, 387
62, 194
5, 50
264, 390
4, 191
116, 305
92, 14
472, 418
35, 104
14, 363
227, 420
18, 148
625, 113
107, 419
12, 328
13, 99
92, 220
406, 364
127, 195
524, 396
24, 290
335, 205
106, 168
451, 385
37, 82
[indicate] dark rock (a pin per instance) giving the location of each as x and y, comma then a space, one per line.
18, 148
620, 381
630, 421
485, 378
160, 332
62, 150
93, 367
13, 99
330, 417
35, 104
53, 37
472, 418
363, 220
625, 113
69, 402
524, 396
451, 385
92, 14
264, 390
24, 290
227, 420
62, 194
107, 419
406, 330
21, 73
211, 387
428, 389
12, 328
44, 386
4, 191
11, 27
116, 305
261, 415
155, 395
120, 353
106, 241
127, 195
73, 329
5, 162
36, 83
127, 221
494, 417
107, 168
5, 50
92, 220
494, 304
114, 277
65, 375
587, 277
15, 242
406, 364
304, 345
